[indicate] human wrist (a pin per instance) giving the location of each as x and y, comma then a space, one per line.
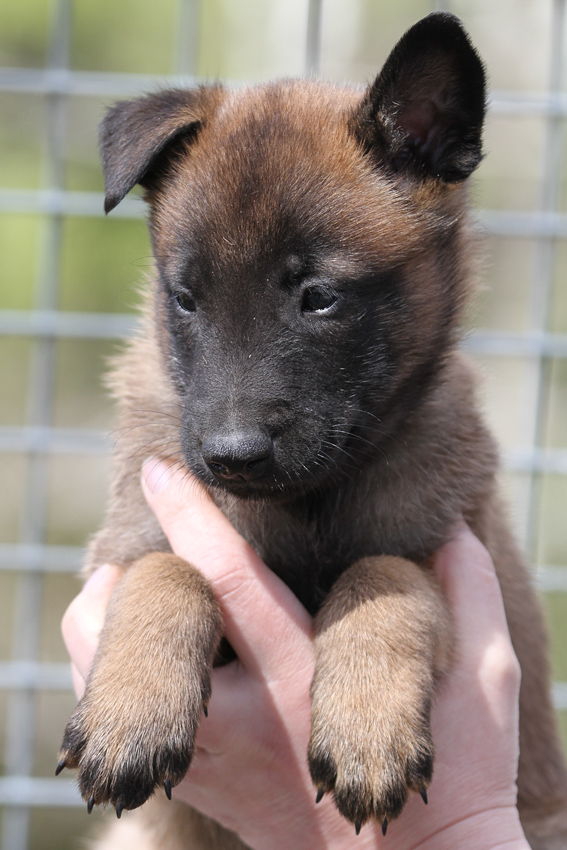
495, 829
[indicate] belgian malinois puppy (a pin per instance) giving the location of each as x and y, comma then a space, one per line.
299, 355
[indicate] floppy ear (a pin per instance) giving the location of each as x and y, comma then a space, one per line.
138, 137
424, 112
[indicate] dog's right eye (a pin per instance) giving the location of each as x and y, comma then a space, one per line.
185, 302
318, 299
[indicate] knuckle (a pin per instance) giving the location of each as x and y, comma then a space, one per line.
234, 581
501, 667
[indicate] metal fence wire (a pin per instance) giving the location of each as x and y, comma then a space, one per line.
29, 556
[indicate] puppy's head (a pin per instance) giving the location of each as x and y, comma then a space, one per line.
311, 254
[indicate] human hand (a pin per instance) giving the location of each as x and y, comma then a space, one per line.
250, 772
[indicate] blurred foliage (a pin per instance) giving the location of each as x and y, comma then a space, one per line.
19, 248
21, 130
102, 263
133, 36
14, 369
79, 397
24, 27
557, 621
558, 308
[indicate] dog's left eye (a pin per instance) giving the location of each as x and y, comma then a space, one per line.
185, 302
317, 299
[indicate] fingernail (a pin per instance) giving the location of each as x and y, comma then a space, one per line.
157, 474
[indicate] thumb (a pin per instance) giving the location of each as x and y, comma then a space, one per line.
84, 618
194, 526
258, 608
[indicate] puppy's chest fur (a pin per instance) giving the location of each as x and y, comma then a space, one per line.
313, 540
302, 543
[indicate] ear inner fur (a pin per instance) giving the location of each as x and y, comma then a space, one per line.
425, 110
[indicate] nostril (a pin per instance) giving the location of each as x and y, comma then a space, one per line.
218, 468
255, 464
240, 454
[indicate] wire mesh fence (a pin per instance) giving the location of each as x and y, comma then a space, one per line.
50, 445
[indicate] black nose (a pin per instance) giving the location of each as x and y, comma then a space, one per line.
238, 454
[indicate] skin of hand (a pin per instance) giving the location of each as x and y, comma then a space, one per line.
250, 771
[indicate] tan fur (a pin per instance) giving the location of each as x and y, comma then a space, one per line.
162, 616
358, 555
378, 737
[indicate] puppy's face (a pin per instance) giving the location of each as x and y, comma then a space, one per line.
310, 273
286, 265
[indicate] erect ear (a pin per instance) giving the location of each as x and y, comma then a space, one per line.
138, 137
425, 110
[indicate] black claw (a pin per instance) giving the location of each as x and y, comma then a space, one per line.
384, 826
60, 766
205, 711
423, 793
119, 808
167, 788
90, 804
357, 827
320, 795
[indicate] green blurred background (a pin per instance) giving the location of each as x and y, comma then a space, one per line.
99, 262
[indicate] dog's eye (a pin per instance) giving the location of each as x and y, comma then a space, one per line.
317, 299
185, 302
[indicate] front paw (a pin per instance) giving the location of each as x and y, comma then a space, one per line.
135, 727
383, 641
370, 760
126, 745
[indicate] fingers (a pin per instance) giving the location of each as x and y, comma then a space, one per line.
267, 626
230, 710
469, 579
467, 574
84, 619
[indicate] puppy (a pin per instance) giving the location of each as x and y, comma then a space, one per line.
299, 355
